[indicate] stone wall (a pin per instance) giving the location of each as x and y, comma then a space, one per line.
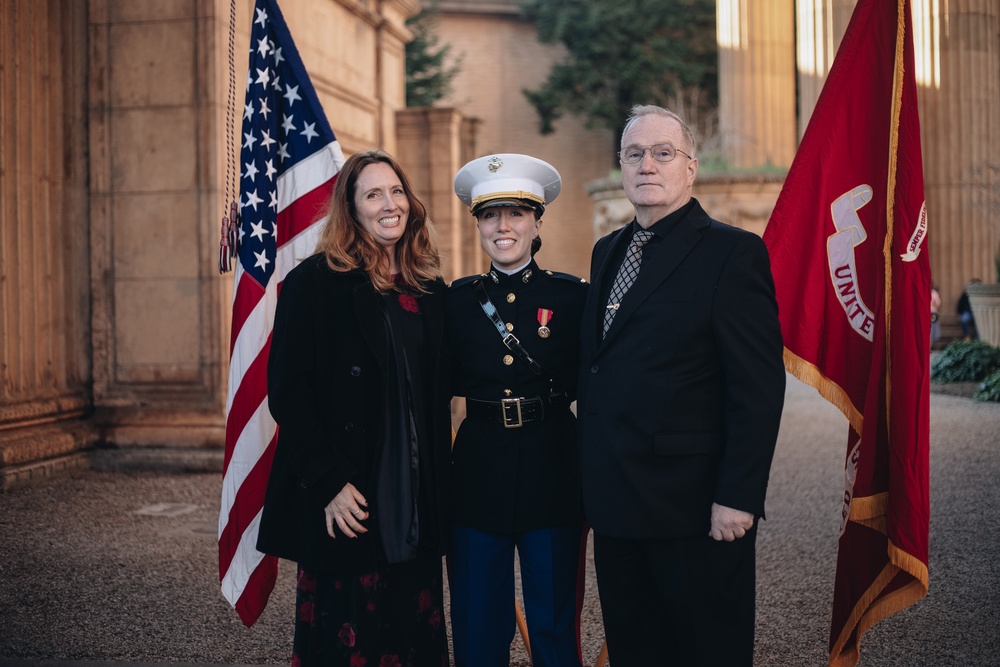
115, 322
500, 55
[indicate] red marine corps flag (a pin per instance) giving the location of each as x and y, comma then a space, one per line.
848, 253
285, 183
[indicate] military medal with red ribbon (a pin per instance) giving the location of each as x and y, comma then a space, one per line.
544, 317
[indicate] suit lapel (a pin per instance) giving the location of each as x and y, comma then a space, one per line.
599, 276
670, 253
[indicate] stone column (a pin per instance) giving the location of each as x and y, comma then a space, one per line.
757, 82
958, 82
44, 305
392, 36
821, 26
433, 145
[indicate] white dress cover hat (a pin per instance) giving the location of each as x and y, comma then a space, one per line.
507, 179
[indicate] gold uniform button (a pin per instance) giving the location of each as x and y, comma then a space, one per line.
508, 360
508, 392
511, 297
510, 327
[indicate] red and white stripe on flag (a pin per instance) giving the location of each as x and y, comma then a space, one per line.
847, 240
285, 184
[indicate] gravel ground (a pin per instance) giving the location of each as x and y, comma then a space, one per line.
85, 575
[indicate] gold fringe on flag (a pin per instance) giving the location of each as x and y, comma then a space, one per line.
827, 388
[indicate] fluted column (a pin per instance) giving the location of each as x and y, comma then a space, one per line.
821, 25
44, 315
958, 81
757, 81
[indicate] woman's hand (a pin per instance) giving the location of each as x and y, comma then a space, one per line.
347, 509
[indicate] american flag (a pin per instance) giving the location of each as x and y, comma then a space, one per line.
288, 164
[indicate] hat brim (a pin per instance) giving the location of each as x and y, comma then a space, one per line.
508, 203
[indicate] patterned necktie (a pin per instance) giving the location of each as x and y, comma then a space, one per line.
626, 275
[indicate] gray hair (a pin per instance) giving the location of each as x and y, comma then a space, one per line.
640, 110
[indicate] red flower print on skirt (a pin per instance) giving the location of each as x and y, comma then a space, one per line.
346, 635
307, 582
369, 580
389, 661
358, 660
306, 612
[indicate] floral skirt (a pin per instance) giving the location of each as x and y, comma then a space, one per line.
389, 618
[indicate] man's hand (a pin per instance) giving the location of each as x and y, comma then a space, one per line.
729, 524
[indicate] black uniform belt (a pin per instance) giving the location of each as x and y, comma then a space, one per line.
514, 412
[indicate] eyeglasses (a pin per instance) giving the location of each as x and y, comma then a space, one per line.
659, 152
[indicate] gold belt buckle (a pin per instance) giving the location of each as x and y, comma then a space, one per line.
507, 420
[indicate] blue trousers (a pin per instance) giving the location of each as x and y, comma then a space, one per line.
481, 579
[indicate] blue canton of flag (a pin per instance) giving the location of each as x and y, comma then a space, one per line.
283, 123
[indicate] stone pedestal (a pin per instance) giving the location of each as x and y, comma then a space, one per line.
744, 201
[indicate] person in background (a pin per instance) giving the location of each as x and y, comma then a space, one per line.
935, 315
515, 341
359, 490
680, 396
965, 317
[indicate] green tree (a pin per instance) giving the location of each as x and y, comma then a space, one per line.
626, 52
428, 78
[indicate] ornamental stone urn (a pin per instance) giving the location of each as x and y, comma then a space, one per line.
985, 301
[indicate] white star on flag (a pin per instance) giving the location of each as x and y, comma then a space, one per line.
266, 140
292, 94
258, 230
253, 199
309, 132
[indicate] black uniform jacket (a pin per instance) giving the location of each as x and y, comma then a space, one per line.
510, 480
328, 394
680, 403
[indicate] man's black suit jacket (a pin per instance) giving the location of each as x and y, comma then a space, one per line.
679, 404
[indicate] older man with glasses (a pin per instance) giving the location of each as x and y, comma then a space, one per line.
680, 396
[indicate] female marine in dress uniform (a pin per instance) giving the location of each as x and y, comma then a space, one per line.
515, 467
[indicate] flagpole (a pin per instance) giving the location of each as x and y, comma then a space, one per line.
890, 199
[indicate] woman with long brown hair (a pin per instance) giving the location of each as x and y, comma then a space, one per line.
359, 486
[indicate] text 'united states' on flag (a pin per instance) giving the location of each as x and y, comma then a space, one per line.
289, 159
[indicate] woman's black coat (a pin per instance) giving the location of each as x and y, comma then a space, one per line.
327, 392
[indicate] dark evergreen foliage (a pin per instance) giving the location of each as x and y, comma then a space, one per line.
428, 78
625, 52
965, 361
